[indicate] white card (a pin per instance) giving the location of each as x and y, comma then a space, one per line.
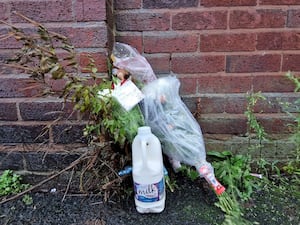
128, 95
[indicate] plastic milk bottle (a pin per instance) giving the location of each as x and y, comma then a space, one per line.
147, 172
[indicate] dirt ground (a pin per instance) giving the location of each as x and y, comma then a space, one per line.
191, 203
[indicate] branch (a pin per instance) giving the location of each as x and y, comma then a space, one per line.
73, 164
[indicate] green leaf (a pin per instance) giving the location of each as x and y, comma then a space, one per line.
94, 70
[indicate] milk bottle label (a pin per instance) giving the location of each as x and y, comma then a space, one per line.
149, 192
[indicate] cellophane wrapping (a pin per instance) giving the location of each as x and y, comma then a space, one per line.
128, 58
172, 122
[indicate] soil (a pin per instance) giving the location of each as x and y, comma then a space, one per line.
191, 203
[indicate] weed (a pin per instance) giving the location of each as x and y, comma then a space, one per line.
11, 183
253, 126
108, 121
267, 168
27, 199
235, 173
232, 209
293, 166
189, 171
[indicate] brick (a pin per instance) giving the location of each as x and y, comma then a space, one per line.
224, 83
291, 62
269, 18
11, 160
43, 11
206, 104
129, 4
160, 63
46, 110
4, 13
234, 104
56, 85
279, 148
68, 133
90, 10
278, 41
80, 36
280, 83
142, 21
4, 56
100, 61
86, 36
214, 3
200, 20
275, 123
226, 124
171, 43
23, 133
293, 19
237, 123
269, 105
36, 161
237, 103
19, 87
279, 2
191, 104
159, 4
8, 43
8, 111
134, 40
292, 98
227, 42
275, 102
197, 64
188, 85
252, 63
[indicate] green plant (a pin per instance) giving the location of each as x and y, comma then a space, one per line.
48, 55
232, 209
267, 168
293, 166
295, 137
234, 172
189, 171
253, 126
27, 199
11, 183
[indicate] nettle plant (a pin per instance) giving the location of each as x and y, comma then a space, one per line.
48, 55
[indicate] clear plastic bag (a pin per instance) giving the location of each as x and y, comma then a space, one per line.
127, 58
172, 122
163, 110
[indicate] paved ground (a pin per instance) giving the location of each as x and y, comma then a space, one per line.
190, 204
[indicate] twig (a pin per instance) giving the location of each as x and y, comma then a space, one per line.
68, 186
27, 19
16, 66
105, 186
74, 163
38, 25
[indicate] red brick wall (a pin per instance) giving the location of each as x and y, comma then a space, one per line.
219, 49
23, 115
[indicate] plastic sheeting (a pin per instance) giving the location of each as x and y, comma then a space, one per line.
163, 110
172, 122
127, 58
